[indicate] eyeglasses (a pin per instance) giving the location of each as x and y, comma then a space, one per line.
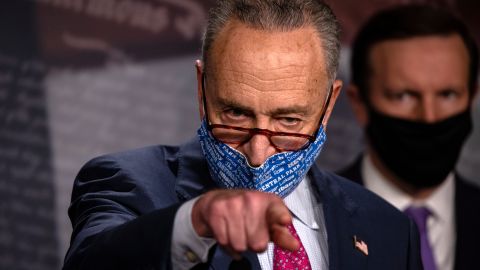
282, 141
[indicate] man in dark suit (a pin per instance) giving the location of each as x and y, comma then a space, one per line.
414, 77
243, 194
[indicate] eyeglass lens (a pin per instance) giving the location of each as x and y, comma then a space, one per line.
234, 136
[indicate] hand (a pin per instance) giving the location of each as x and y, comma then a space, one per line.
241, 220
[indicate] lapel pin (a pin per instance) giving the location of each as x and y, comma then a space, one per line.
360, 245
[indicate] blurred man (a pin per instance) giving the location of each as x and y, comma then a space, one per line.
240, 189
414, 79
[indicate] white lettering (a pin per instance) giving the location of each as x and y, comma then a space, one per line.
151, 17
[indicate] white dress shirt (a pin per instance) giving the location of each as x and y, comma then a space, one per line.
440, 225
188, 249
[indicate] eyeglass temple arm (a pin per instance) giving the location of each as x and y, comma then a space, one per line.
204, 98
325, 107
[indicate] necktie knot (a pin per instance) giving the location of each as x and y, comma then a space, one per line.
419, 216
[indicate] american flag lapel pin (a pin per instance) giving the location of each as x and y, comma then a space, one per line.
360, 245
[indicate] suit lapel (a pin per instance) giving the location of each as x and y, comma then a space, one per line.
467, 219
193, 177
341, 219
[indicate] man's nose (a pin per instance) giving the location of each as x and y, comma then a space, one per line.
427, 111
258, 149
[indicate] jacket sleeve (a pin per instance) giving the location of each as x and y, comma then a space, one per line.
116, 225
415, 259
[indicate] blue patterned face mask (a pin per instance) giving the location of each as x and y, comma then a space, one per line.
279, 174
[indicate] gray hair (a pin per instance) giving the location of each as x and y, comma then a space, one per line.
278, 15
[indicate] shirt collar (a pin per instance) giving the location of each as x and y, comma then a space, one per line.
439, 202
303, 204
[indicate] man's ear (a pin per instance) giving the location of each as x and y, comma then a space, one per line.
359, 106
336, 88
199, 69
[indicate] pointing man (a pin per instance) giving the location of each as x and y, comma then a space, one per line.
244, 191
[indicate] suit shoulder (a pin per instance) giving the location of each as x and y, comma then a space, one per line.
367, 200
353, 189
468, 188
133, 175
149, 157
467, 199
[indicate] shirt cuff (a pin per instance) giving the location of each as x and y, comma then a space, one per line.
188, 248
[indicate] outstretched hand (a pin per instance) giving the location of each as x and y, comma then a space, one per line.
241, 220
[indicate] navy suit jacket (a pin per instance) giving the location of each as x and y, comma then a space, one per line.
467, 218
123, 208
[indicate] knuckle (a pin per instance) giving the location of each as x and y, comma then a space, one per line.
239, 246
276, 199
259, 245
216, 207
215, 215
221, 239
256, 199
235, 201
250, 195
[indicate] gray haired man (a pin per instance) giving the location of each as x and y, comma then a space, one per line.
245, 192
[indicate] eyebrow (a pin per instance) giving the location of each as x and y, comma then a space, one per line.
225, 103
294, 109
391, 91
297, 109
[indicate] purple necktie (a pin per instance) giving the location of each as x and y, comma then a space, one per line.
420, 215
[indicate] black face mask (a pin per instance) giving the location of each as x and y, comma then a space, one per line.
420, 154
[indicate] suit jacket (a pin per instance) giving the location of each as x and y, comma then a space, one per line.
123, 208
467, 219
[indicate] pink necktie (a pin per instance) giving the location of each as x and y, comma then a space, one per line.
287, 260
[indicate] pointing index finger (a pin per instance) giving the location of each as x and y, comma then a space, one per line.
278, 217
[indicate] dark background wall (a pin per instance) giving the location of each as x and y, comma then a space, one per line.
79, 78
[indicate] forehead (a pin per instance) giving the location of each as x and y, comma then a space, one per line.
421, 62
267, 55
